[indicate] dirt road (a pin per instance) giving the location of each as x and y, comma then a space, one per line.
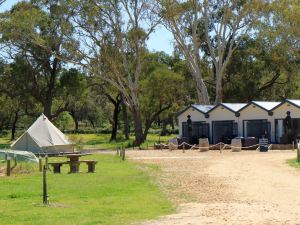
227, 188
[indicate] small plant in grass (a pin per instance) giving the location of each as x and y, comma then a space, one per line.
294, 163
77, 141
25, 168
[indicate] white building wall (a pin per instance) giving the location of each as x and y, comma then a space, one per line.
220, 114
249, 113
280, 112
195, 116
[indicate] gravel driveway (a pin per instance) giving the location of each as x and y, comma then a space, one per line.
227, 188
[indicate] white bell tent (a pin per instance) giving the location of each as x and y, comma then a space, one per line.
43, 137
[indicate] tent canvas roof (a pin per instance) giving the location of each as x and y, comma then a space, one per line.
44, 133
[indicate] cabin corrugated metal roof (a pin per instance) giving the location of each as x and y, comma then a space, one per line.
267, 105
234, 106
203, 108
294, 101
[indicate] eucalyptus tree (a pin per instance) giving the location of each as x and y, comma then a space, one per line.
112, 36
16, 101
161, 92
37, 33
210, 29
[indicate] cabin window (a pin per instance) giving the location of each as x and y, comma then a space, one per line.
224, 131
257, 128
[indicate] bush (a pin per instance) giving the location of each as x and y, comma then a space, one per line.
25, 168
4, 132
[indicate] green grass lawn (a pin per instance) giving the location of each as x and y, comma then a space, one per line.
293, 163
118, 193
101, 141
5, 142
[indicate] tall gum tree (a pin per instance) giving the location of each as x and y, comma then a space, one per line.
37, 32
213, 28
112, 36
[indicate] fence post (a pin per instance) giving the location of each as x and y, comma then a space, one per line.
298, 150
45, 192
298, 155
15, 160
294, 145
183, 147
40, 164
8, 168
46, 161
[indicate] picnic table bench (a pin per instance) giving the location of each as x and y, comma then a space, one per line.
91, 165
74, 163
57, 165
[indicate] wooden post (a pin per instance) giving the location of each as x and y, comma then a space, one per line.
15, 160
298, 155
8, 168
40, 164
45, 194
123, 154
46, 161
183, 147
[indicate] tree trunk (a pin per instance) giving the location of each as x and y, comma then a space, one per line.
47, 108
125, 119
92, 122
115, 122
219, 87
201, 88
172, 123
164, 128
76, 123
75, 119
138, 127
13, 126
147, 127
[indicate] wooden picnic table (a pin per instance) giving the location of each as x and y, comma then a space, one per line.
74, 160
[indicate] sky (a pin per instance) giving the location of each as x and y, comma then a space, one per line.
160, 40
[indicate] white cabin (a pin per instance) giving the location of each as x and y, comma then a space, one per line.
225, 121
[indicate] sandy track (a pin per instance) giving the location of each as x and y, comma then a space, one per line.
228, 188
